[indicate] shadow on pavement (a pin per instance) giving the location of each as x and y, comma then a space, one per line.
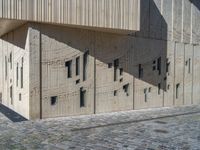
10, 114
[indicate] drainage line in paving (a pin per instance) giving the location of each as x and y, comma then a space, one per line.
134, 121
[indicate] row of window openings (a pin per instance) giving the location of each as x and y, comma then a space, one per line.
148, 90
83, 96
126, 89
68, 65
157, 66
17, 69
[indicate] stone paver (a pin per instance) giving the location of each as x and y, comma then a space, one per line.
153, 129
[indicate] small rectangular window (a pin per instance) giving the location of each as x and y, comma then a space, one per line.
177, 90
78, 66
22, 73
115, 92
82, 97
20, 96
68, 64
126, 89
6, 68
17, 74
145, 94
11, 60
159, 88
109, 65
159, 65
140, 70
54, 100
121, 71
11, 94
116, 66
85, 64
189, 65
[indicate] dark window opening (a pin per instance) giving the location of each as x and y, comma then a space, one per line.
159, 65
82, 97
54, 100
85, 64
11, 94
189, 65
68, 64
167, 66
121, 71
159, 88
78, 66
6, 68
11, 60
121, 80
140, 70
177, 90
116, 66
168, 86
126, 89
150, 90
115, 92
17, 74
109, 65
20, 96
145, 94
78, 81
22, 73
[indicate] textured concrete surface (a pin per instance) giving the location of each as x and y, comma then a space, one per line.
166, 128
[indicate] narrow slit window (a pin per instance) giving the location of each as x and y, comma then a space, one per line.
6, 68
85, 64
17, 74
140, 70
126, 89
22, 73
11, 60
159, 65
78, 66
115, 92
145, 94
20, 96
82, 97
159, 88
68, 65
189, 65
11, 94
177, 90
116, 66
54, 100
121, 71
167, 66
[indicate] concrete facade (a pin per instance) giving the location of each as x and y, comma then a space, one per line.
51, 70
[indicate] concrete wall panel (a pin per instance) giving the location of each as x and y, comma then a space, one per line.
196, 75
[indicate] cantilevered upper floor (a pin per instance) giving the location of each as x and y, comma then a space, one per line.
109, 15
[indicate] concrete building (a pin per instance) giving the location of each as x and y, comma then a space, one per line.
76, 57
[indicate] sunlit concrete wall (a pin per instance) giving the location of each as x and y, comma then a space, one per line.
107, 14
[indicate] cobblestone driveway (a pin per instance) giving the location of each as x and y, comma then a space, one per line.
158, 129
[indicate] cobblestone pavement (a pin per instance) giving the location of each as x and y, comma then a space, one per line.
153, 129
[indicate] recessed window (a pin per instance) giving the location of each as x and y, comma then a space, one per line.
145, 94
126, 89
20, 96
11, 94
68, 65
159, 65
121, 71
82, 97
150, 90
140, 70
177, 90
78, 81
159, 88
116, 66
78, 66
85, 64
22, 73
17, 74
109, 65
11, 60
167, 66
54, 100
115, 92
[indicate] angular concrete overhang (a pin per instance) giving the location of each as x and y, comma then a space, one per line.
108, 15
